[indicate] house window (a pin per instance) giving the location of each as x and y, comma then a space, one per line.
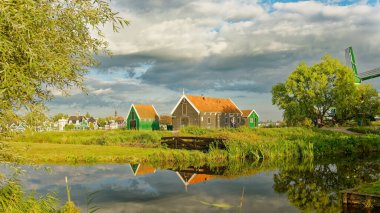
251, 120
226, 120
209, 120
202, 118
184, 109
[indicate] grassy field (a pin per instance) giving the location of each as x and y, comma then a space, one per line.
371, 188
132, 146
366, 130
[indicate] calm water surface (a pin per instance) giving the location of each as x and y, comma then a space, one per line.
290, 187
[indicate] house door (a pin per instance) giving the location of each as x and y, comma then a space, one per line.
132, 124
232, 122
184, 122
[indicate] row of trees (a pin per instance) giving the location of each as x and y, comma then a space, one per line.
311, 92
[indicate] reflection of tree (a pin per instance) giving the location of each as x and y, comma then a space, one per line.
318, 188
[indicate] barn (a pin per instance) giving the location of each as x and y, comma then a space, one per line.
143, 117
206, 112
250, 118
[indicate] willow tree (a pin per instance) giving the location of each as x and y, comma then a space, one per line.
311, 91
48, 45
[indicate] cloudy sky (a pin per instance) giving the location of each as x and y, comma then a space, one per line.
234, 49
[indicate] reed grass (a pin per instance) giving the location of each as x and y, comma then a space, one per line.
243, 144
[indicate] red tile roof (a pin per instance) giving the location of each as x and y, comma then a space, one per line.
246, 112
208, 104
145, 111
199, 178
145, 169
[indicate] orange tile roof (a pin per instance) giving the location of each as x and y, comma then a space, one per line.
208, 104
199, 178
246, 112
145, 169
145, 111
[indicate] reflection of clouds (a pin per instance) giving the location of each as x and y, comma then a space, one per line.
120, 191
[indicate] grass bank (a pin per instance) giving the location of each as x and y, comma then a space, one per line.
243, 144
365, 130
370, 188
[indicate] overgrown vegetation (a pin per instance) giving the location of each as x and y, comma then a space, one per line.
243, 144
98, 137
365, 130
371, 188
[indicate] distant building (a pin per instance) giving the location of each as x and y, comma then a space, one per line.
205, 112
250, 118
143, 117
62, 123
81, 122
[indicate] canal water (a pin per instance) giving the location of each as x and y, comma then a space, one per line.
249, 187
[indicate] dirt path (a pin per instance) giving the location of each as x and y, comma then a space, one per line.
342, 129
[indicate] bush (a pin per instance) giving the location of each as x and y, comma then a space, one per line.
194, 130
146, 137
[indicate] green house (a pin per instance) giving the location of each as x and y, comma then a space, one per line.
250, 118
143, 117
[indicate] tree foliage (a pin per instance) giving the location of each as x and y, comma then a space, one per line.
59, 116
36, 116
49, 44
311, 91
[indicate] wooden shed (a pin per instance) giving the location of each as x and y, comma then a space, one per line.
250, 118
205, 112
143, 117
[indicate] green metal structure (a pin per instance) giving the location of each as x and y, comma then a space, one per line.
350, 62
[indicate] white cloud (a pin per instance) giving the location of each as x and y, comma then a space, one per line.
102, 91
199, 45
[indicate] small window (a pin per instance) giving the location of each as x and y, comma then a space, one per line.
226, 120
184, 109
209, 120
251, 120
202, 118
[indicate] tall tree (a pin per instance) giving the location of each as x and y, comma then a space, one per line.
49, 44
59, 116
310, 92
36, 116
367, 103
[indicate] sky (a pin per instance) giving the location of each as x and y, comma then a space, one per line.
234, 49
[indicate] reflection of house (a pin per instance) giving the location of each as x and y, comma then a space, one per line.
205, 112
141, 169
189, 178
143, 117
250, 118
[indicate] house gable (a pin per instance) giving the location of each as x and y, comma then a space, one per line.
180, 101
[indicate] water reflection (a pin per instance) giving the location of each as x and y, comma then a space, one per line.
286, 186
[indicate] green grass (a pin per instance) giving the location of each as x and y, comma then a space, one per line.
365, 130
371, 188
94, 137
243, 144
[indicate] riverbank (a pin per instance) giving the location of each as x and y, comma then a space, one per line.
144, 146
